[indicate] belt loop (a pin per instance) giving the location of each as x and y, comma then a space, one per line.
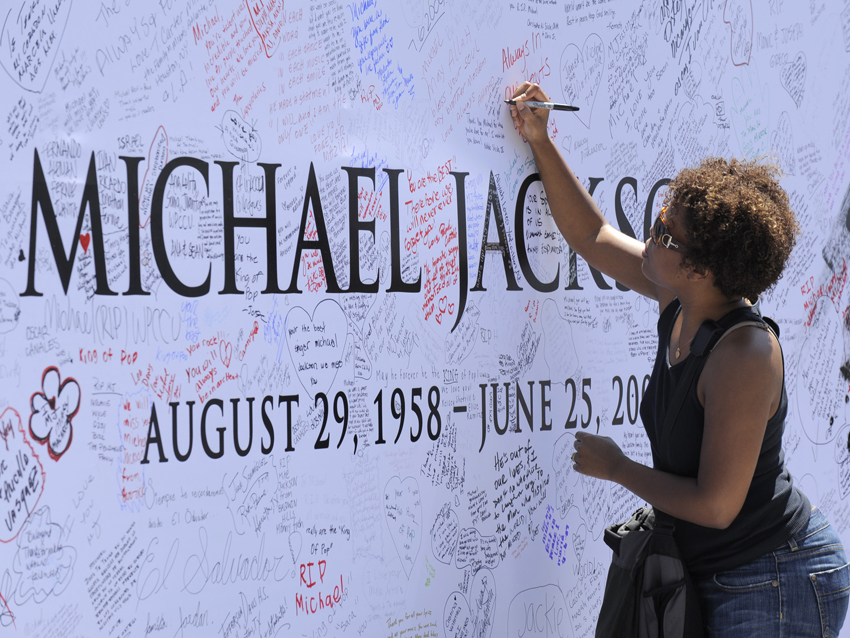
792, 543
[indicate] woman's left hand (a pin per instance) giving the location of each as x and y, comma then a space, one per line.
597, 456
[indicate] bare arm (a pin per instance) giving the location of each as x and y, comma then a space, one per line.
578, 218
741, 387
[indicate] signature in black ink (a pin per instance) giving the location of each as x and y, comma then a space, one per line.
198, 572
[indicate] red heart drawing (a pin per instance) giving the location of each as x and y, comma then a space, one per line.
225, 351
84, 240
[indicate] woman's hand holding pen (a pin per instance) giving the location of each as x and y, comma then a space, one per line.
530, 122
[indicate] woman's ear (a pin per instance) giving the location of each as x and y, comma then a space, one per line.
695, 273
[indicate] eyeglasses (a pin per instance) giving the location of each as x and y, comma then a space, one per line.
661, 236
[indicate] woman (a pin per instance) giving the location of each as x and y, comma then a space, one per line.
764, 562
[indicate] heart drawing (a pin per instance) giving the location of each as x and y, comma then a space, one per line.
460, 619
316, 344
403, 511
581, 72
793, 78
31, 35
225, 351
444, 533
17, 459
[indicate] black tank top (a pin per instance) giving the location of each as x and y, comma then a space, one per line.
774, 509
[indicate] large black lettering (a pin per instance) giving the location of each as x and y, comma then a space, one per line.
235, 403
545, 405
527, 408
157, 238
154, 436
355, 226
462, 265
483, 387
64, 264
213, 455
503, 429
311, 196
288, 399
133, 224
181, 457
397, 284
597, 276
519, 231
500, 246
231, 222
267, 422
622, 220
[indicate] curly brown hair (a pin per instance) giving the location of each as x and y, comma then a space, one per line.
738, 221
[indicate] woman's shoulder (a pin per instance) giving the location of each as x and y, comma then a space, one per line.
751, 337
747, 361
748, 352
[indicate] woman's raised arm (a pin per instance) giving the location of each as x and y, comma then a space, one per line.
578, 218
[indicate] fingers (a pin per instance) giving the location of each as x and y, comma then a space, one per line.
575, 457
582, 439
519, 113
515, 115
530, 91
531, 123
522, 116
592, 441
525, 91
521, 90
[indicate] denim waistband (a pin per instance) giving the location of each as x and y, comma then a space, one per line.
816, 532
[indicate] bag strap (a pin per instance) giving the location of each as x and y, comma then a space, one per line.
707, 337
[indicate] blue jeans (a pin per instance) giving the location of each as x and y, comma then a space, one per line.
800, 589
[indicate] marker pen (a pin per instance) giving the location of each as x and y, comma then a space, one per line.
552, 106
